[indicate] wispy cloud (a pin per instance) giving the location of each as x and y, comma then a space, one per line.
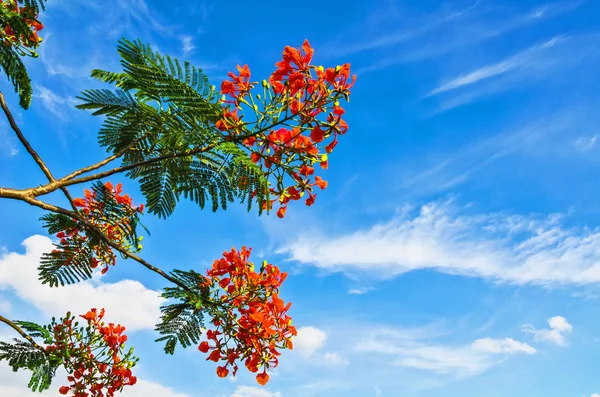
547, 135
358, 291
460, 360
387, 39
8, 144
521, 60
187, 44
53, 102
556, 334
484, 26
378, 390
498, 247
585, 143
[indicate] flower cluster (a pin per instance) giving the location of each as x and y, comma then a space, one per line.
297, 125
112, 214
254, 323
93, 356
29, 16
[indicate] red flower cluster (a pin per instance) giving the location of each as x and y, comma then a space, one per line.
239, 86
297, 128
94, 212
94, 357
29, 16
255, 323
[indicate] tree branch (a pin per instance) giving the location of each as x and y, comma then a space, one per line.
23, 140
76, 215
21, 332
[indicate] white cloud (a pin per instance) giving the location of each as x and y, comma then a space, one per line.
126, 302
556, 334
415, 350
187, 44
309, 340
358, 291
584, 143
497, 346
513, 249
249, 391
15, 385
335, 359
595, 395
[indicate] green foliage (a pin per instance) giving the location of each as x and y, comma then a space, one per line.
10, 56
69, 263
13, 67
23, 355
162, 115
72, 260
181, 322
36, 331
37, 5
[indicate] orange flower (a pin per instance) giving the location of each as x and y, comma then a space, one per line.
79, 202
262, 378
320, 182
281, 212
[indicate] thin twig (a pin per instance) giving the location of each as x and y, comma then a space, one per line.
30, 150
36, 157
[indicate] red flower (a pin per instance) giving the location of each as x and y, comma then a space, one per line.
64, 389
317, 134
320, 182
214, 356
203, 347
222, 372
262, 378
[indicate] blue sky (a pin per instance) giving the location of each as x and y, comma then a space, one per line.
456, 251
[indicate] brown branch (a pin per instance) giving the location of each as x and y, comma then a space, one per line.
21, 332
69, 179
45, 189
97, 165
30, 150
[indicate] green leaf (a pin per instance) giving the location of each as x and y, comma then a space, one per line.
23, 355
182, 322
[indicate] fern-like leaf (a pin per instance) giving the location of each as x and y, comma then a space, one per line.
23, 355
182, 322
